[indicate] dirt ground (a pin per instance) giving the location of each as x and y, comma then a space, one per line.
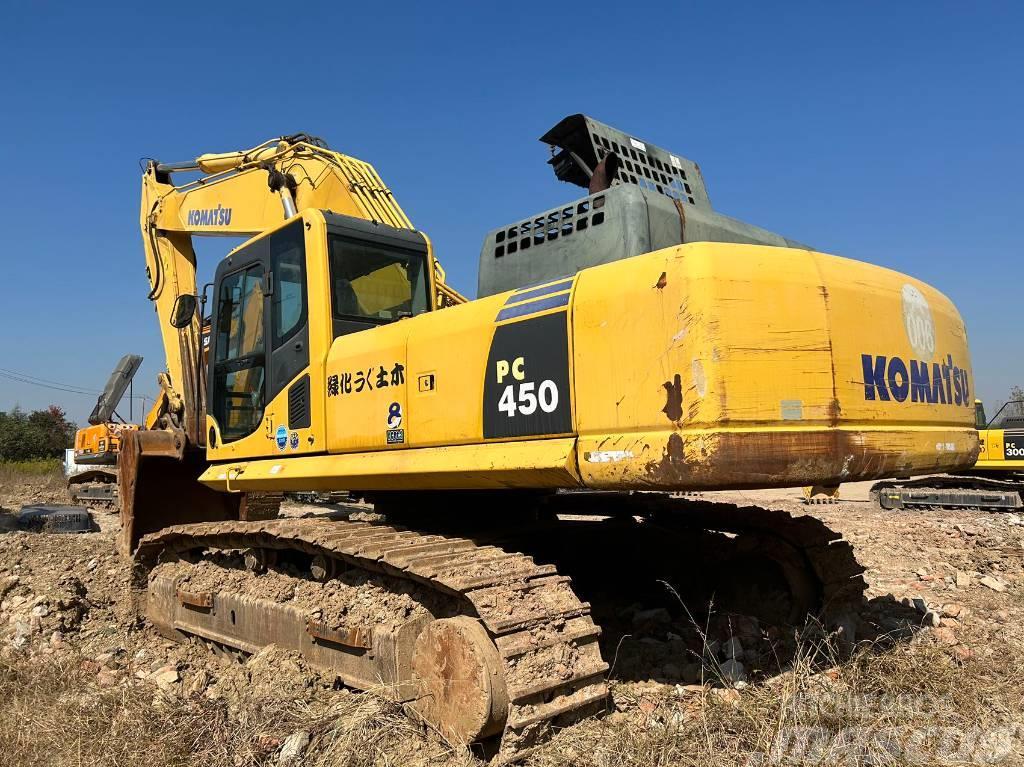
936, 679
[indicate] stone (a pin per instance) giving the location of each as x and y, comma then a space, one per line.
733, 671
294, 747
106, 678
993, 583
963, 653
165, 676
946, 635
732, 649
953, 610
653, 618
730, 697
692, 673
22, 633
963, 579
7, 584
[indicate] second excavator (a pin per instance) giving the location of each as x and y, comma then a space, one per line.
521, 446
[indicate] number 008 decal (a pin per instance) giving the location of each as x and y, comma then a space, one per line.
525, 401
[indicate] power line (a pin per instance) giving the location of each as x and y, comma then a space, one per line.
68, 389
42, 380
47, 383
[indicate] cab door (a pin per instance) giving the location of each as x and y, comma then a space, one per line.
259, 346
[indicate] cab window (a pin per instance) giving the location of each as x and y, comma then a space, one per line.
375, 283
239, 364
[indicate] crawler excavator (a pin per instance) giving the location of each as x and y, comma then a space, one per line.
994, 483
627, 345
98, 444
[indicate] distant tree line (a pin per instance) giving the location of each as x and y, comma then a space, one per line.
38, 434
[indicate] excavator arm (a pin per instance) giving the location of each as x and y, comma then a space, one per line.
241, 194
230, 194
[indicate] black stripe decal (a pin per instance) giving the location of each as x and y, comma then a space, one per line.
526, 295
551, 302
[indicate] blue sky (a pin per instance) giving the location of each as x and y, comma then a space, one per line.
888, 132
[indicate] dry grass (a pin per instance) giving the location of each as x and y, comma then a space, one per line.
52, 713
908, 704
32, 481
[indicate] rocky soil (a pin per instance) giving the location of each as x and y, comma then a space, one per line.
936, 679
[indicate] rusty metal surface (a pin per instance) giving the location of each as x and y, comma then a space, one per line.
525, 609
358, 637
157, 486
460, 679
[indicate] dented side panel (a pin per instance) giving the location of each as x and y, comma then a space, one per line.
744, 367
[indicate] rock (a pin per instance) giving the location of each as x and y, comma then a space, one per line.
730, 697
671, 671
692, 673
7, 584
40, 611
106, 678
732, 649
733, 672
682, 690
56, 639
953, 610
963, 653
22, 633
294, 747
993, 583
648, 619
165, 676
199, 682
952, 623
946, 635
963, 579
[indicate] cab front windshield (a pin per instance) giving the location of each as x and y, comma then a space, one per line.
375, 282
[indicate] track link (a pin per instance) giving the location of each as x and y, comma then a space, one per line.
543, 634
812, 552
951, 492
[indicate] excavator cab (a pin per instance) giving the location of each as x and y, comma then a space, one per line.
280, 300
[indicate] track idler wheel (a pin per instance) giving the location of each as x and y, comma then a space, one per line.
461, 685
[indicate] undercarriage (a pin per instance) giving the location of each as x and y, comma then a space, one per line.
489, 625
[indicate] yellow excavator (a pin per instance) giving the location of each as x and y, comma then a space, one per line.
626, 345
97, 445
994, 483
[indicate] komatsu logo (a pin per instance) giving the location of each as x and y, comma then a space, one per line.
219, 216
892, 378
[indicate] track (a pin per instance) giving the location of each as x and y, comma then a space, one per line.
949, 491
487, 643
549, 668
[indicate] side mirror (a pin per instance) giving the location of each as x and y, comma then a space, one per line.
183, 312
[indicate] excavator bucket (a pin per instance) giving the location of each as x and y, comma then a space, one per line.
158, 485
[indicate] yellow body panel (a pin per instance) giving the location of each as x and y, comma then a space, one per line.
699, 366
549, 463
1001, 450
99, 444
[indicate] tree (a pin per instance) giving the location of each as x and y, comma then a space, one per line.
1016, 397
39, 434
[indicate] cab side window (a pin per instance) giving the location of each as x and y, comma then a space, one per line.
240, 359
